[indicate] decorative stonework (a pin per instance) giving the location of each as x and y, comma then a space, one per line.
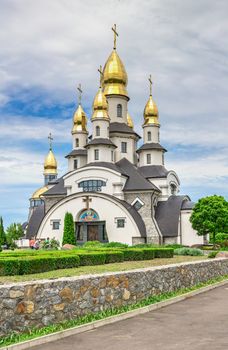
44, 302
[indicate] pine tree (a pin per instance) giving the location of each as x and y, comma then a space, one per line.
2, 233
68, 231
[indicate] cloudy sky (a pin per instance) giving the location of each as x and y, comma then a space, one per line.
49, 46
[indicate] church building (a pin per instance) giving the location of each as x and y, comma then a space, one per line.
115, 190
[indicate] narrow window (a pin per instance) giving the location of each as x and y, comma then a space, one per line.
55, 225
124, 147
96, 154
98, 131
75, 164
120, 223
137, 205
149, 136
148, 158
119, 110
112, 156
76, 142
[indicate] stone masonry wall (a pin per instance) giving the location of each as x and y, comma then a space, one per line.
39, 303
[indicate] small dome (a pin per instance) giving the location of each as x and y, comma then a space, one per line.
151, 112
39, 192
79, 120
100, 106
50, 164
114, 80
130, 121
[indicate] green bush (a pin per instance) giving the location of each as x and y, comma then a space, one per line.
145, 245
133, 254
90, 259
115, 245
93, 244
113, 257
174, 246
164, 252
68, 230
222, 239
212, 255
188, 251
148, 253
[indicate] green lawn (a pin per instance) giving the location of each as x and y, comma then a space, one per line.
83, 270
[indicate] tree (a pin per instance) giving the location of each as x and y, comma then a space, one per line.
2, 233
210, 216
14, 232
68, 231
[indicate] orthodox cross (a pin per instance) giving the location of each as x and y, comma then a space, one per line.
150, 81
101, 74
87, 200
79, 93
115, 35
50, 138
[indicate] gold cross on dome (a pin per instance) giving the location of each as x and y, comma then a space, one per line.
150, 81
50, 138
101, 74
87, 200
79, 93
115, 35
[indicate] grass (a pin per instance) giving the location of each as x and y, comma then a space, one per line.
15, 338
83, 270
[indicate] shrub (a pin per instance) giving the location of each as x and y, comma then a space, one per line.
133, 254
174, 246
163, 252
68, 231
188, 251
222, 239
115, 245
95, 258
113, 257
212, 255
148, 253
93, 244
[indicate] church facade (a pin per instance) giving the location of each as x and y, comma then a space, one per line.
115, 190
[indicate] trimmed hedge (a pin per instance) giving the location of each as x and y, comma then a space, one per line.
90, 259
24, 266
133, 254
113, 257
164, 253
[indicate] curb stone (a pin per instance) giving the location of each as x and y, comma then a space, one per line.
28, 344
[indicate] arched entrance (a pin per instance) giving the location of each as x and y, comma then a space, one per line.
89, 227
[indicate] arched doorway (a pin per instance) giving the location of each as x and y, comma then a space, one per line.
89, 227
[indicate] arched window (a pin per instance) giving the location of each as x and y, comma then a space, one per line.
119, 110
173, 189
98, 131
149, 136
76, 142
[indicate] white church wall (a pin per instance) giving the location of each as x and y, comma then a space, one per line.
113, 101
112, 179
81, 161
189, 235
154, 129
82, 139
104, 128
103, 206
131, 148
156, 157
105, 153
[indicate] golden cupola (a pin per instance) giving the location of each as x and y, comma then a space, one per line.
50, 164
130, 121
100, 104
114, 81
151, 110
79, 120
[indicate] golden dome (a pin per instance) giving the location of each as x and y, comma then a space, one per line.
151, 112
130, 121
114, 80
100, 106
39, 192
79, 120
50, 164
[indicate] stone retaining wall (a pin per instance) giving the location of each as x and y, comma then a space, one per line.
40, 303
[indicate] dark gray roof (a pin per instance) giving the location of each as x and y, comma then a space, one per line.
167, 215
122, 128
135, 181
186, 205
151, 145
57, 190
77, 152
35, 221
136, 216
153, 171
101, 141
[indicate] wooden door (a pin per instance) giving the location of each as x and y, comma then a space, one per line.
92, 233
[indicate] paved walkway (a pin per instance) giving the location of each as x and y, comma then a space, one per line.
198, 323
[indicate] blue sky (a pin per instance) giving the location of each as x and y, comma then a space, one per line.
50, 46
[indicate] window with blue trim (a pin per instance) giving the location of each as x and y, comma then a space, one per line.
92, 185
